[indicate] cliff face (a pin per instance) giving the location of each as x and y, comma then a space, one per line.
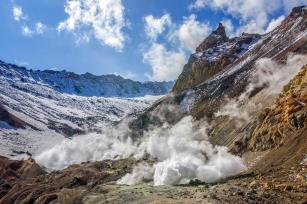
276, 145
265, 126
287, 115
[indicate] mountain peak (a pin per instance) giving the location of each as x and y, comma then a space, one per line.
296, 13
300, 10
216, 37
220, 31
218, 53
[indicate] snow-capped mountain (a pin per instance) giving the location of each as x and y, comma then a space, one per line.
85, 84
43, 107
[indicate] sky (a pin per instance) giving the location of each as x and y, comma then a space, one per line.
145, 40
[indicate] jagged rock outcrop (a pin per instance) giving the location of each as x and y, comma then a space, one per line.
218, 53
216, 37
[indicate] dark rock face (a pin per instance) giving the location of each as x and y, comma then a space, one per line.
10, 119
298, 11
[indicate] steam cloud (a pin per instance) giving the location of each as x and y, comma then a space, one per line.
268, 74
142, 172
182, 151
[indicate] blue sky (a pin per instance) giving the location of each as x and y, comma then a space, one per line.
138, 39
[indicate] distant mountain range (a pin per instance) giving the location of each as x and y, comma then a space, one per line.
85, 84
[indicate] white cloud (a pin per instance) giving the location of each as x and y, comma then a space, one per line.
165, 64
102, 18
81, 38
26, 31
229, 27
253, 15
168, 57
289, 4
274, 23
191, 33
37, 30
198, 4
18, 13
155, 26
40, 28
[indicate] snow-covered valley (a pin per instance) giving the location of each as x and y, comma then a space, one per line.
35, 115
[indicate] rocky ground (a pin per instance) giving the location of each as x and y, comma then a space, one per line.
26, 182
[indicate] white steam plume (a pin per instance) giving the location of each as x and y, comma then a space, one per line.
141, 173
182, 151
269, 74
